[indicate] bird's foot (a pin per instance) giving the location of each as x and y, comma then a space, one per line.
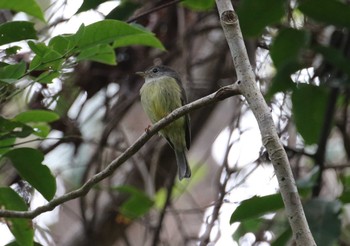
147, 129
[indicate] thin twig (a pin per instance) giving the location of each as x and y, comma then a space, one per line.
153, 10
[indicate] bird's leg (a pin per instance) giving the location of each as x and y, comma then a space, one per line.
147, 129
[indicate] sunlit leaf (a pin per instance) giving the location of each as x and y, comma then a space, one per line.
160, 198
41, 130
37, 116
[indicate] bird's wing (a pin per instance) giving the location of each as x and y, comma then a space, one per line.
187, 117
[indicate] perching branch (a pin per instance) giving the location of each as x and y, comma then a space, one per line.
261, 111
219, 95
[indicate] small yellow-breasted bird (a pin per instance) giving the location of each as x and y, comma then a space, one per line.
162, 93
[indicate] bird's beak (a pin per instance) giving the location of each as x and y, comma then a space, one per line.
142, 74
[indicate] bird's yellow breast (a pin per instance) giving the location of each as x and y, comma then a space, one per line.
160, 96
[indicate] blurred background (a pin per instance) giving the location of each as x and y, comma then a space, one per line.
301, 63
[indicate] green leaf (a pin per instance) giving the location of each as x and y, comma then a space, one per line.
28, 6
288, 45
123, 11
332, 12
199, 5
101, 53
63, 44
255, 15
6, 145
51, 60
14, 31
76, 37
108, 31
41, 130
345, 180
282, 81
335, 57
12, 50
324, 221
309, 105
90, 4
146, 39
28, 163
11, 129
47, 77
345, 197
286, 52
37, 116
248, 225
21, 229
307, 183
12, 72
38, 48
283, 238
256, 206
160, 198
14, 243
46, 57
137, 204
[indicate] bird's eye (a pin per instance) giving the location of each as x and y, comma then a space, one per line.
155, 70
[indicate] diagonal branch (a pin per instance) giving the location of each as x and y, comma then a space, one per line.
219, 95
262, 113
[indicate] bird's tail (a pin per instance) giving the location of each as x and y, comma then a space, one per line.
182, 164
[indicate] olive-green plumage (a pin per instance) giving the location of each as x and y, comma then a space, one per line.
160, 95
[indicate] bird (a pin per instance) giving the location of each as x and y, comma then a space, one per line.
161, 94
